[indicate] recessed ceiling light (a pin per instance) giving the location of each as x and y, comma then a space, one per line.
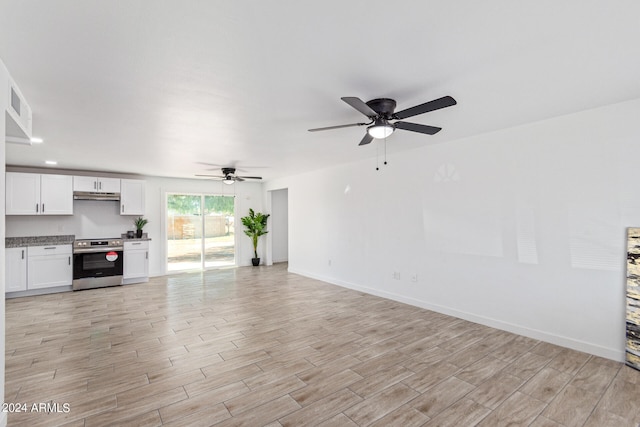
50, 162
37, 140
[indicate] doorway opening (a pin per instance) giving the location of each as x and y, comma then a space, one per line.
200, 231
279, 226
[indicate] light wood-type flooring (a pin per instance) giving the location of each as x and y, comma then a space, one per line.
261, 346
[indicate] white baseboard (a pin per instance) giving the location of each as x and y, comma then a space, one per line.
586, 347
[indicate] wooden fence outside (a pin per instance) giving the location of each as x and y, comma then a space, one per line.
181, 227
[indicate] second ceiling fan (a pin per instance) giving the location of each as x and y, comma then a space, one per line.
229, 176
380, 112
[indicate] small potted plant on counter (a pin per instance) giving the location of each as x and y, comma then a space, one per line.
140, 222
256, 224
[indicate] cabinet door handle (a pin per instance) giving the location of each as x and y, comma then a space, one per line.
146, 255
43, 208
23, 254
69, 260
37, 207
123, 208
136, 244
95, 185
100, 186
50, 247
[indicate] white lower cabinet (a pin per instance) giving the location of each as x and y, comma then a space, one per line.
49, 266
16, 269
136, 262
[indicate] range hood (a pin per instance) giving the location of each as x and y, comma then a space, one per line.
90, 195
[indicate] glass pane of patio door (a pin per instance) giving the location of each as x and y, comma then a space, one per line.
219, 231
184, 232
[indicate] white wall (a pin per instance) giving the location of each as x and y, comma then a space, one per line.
96, 219
279, 225
248, 195
521, 229
4, 103
90, 219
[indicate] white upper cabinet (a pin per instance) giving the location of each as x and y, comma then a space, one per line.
36, 194
56, 194
109, 185
85, 183
94, 184
132, 197
22, 193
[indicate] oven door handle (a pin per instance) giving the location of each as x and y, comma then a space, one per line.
94, 251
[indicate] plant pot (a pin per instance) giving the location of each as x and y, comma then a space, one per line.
138, 233
255, 261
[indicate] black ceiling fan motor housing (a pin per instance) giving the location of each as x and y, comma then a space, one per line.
383, 106
228, 171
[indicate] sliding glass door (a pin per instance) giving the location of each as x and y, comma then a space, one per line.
200, 231
219, 231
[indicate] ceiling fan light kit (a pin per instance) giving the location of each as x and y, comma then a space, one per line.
229, 176
381, 129
381, 110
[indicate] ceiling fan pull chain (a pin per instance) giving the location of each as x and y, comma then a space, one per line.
385, 151
377, 157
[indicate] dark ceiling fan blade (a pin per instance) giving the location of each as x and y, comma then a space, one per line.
337, 127
215, 166
360, 105
367, 139
231, 165
414, 127
248, 177
211, 176
436, 104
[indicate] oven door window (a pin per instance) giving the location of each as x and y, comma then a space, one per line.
97, 264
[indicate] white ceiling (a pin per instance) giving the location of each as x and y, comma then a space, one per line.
155, 87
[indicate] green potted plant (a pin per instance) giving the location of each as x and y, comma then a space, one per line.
140, 222
255, 224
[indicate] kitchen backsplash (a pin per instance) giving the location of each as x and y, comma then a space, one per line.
90, 219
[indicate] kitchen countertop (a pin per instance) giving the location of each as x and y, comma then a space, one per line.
67, 239
144, 238
17, 242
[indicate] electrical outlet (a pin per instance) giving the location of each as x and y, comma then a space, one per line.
396, 275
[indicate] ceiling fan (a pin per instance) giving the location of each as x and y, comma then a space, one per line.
229, 176
381, 111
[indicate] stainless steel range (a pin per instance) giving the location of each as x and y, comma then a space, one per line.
97, 263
